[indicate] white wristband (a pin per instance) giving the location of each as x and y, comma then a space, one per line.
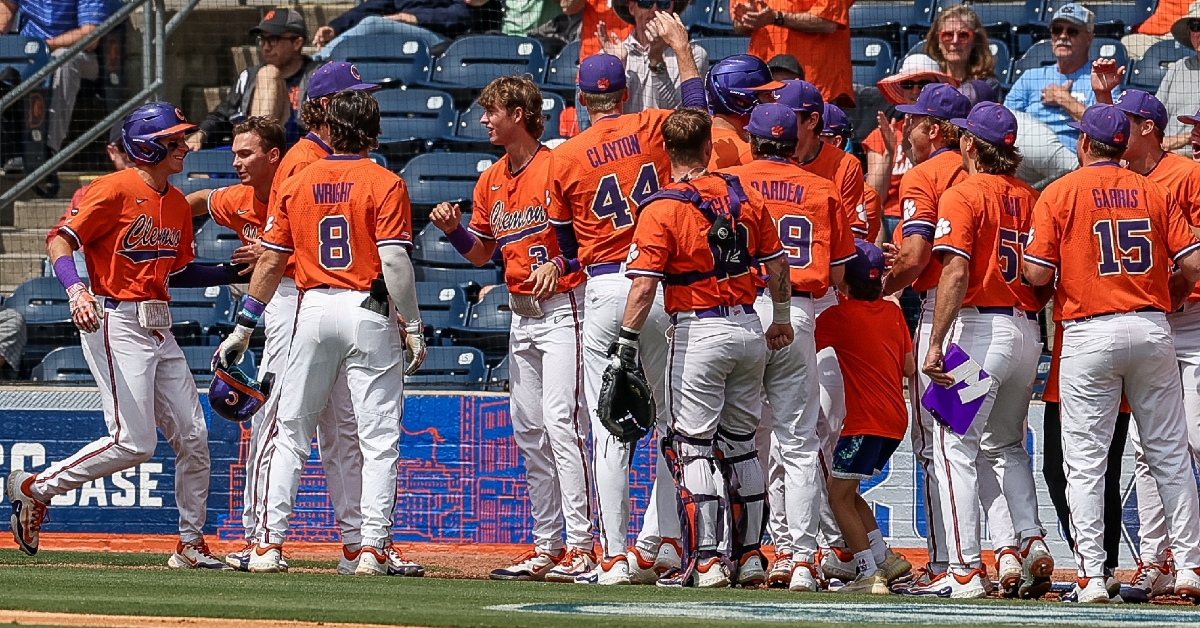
781, 313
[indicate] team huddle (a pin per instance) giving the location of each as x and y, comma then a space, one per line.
704, 273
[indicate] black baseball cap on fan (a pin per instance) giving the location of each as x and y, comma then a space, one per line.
281, 21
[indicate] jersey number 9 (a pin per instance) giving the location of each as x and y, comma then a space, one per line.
795, 232
334, 235
1129, 251
611, 203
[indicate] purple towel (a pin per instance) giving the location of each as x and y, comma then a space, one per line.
958, 406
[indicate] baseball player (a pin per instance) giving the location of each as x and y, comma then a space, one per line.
811, 222
345, 221
824, 160
1122, 231
600, 176
1181, 176
734, 85
137, 229
984, 309
837, 133
1193, 120
544, 343
700, 236
934, 150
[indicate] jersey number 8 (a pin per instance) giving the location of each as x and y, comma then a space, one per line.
334, 235
1129, 251
610, 202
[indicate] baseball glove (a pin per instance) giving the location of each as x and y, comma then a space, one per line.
626, 405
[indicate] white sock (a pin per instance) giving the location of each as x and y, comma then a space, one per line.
878, 547
866, 562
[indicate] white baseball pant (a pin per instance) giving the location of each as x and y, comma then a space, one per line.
1101, 356
1007, 346
144, 382
547, 411
829, 426
337, 437
604, 305
923, 432
334, 334
1185, 330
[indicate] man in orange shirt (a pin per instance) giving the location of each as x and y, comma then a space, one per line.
1110, 236
734, 85
257, 150
837, 133
817, 32
982, 225
347, 223
934, 141
700, 237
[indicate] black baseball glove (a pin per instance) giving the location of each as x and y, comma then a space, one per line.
626, 405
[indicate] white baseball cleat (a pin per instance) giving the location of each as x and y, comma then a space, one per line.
1037, 570
1187, 584
195, 556
373, 561
575, 563
1008, 571
670, 556
531, 565
804, 578
837, 563
27, 512
1148, 582
952, 585
240, 559
752, 569
608, 571
781, 572
266, 558
348, 561
711, 573
640, 566
1089, 591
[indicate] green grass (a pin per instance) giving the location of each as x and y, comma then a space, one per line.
123, 586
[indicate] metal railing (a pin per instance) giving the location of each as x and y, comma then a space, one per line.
155, 32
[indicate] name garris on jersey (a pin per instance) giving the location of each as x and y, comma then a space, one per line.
144, 241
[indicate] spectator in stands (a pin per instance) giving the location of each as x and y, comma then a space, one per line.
274, 89
785, 68
958, 42
817, 32
61, 23
1193, 120
651, 69
1180, 88
1158, 27
886, 160
376, 17
1054, 95
120, 161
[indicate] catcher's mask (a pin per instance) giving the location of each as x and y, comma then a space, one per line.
235, 396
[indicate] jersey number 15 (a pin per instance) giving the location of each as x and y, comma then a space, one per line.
1125, 250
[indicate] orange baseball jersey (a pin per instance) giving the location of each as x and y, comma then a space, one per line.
235, 207
1181, 176
1050, 392
512, 210
309, 149
845, 172
920, 190
1112, 235
810, 219
333, 216
600, 178
874, 210
900, 165
132, 236
986, 219
825, 57
871, 340
670, 243
594, 12
728, 149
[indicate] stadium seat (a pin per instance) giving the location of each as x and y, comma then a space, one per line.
552, 107
378, 159
498, 376
431, 247
999, 52
697, 15
562, 70
450, 367
26, 54
721, 47
1116, 19
721, 18
414, 114
386, 58
1007, 22
1147, 73
215, 243
441, 306
41, 300
198, 312
486, 276
1043, 371
206, 170
1040, 54
872, 59
435, 177
199, 360
64, 365
487, 325
474, 61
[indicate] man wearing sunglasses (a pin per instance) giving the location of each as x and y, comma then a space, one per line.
274, 89
651, 65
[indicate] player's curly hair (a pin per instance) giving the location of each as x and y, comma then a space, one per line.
270, 134
511, 92
312, 114
353, 119
950, 133
766, 147
981, 64
684, 133
995, 158
1106, 152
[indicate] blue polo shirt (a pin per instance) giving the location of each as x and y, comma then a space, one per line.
51, 18
1026, 95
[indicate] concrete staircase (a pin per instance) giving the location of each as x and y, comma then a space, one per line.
23, 227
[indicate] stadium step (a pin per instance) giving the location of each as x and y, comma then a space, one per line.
38, 213
14, 240
17, 267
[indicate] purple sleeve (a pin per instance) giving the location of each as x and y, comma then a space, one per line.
64, 269
568, 245
691, 94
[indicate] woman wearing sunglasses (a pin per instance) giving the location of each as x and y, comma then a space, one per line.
651, 70
1180, 88
959, 44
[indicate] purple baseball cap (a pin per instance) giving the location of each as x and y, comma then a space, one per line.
773, 121
990, 122
939, 100
801, 96
1192, 119
334, 77
1104, 123
1144, 105
836, 122
601, 74
868, 264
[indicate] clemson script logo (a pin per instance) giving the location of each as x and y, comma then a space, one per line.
776, 131
602, 84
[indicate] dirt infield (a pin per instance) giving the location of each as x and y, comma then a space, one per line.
29, 618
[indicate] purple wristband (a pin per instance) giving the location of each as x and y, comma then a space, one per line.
64, 269
462, 240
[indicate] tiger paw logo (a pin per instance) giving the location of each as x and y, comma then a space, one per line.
1029, 237
910, 208
602, 84
777, 131
862, 212
1118, 138
942, 229
633, 254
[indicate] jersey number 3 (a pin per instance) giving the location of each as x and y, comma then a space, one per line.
1127, 250
334, 235
611, 203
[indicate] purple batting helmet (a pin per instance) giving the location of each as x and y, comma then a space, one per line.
235, 396
146, 125
734, 82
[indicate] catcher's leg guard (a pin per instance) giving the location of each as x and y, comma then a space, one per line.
747, 488
703, 511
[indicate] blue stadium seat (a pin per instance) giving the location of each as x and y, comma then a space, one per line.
1043, 371
215, 243
26, 122
697, 15
1147, 73
721, 18
27, 54
562, 70
64, 365
865, 15
552, 107
721, 47
199, 360
386, 58
431, 247
1040, 54
450, 368
41, 300
472, 62
400, 30
999, 52
414, 114
435, 177
872, 59
487, 325
378, 159
206, 170
498, 376
1116, 19
442, 306
197, 313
